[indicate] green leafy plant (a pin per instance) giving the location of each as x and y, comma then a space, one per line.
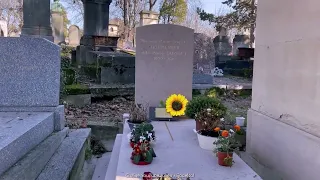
200, 103
162, 104
143, 130
215, 92
209, 119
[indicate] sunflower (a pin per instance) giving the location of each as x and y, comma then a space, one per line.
176, 104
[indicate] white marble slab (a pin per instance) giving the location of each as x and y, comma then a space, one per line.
178, 153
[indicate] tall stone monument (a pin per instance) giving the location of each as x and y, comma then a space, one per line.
221, 43
36, 19
95, 31
57, 22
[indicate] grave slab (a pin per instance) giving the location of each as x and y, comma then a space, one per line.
20, 132
178, 153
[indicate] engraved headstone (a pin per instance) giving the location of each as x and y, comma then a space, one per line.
164, 62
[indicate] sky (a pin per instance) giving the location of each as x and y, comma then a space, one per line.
210, 6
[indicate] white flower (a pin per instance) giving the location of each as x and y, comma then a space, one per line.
222, 119
232, 131
150, 135
209, 110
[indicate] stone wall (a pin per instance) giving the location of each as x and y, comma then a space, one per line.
283, 123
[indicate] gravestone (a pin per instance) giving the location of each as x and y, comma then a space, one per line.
57, 22
240, 41
164, 62
74, 35
30, 77
30, 74
204, 58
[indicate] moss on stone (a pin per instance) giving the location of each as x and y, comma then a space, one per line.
76, 89
69, 76
91, 71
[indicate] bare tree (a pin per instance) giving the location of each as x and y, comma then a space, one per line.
75, 9
11, 12
152, 3
130, 10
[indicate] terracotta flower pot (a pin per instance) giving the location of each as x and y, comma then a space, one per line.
198, 125
222, 156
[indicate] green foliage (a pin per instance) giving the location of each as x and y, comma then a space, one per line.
201, 103
173, 11
149, 157
136, 158
162, 104
76, 89
196, 92
88, 153
142, 130
214, 92
69, 76
226, 144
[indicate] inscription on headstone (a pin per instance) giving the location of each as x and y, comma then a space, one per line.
164, 62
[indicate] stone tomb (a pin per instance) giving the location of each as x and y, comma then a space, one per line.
178, 153
164, 62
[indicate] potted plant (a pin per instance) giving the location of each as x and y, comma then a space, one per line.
142, 153
240, 136
144, 130
225, 146
138, 115
200, 103
210, 123
161, 112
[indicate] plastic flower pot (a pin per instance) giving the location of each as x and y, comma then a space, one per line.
221, 158
206, 142
240, 121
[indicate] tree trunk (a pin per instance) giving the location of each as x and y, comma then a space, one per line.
125, 19
252, 25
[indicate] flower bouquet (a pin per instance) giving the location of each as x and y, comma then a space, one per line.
143, 131
142, 153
